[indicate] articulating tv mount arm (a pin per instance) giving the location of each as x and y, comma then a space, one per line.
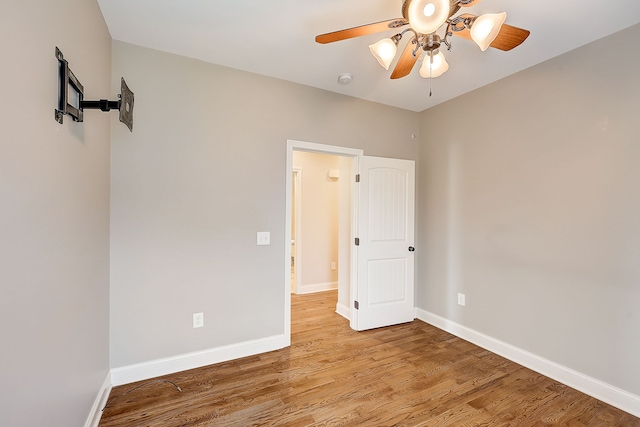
71, 100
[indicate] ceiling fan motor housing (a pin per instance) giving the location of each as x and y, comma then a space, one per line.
432, 43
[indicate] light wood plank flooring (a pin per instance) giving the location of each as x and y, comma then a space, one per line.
406, 375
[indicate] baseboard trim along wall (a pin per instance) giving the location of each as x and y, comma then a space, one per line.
600, 390
343, 311
317, 287
183, 362
101, 400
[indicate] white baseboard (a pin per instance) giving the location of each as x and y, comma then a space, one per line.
317, 287
101, 400
607, 393
343, 311
183, 362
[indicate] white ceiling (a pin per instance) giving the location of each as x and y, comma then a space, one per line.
277, 38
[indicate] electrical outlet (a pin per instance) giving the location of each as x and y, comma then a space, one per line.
198, 320
461, 300
333, 265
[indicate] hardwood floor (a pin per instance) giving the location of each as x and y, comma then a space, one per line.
406, 375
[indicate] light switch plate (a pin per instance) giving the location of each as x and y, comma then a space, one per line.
264, 238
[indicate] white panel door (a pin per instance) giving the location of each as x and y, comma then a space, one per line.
385, 258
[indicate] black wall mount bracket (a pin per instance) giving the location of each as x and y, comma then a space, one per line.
71, 100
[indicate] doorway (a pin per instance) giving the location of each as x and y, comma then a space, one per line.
346, 234
381, 261
296, 206
318, 184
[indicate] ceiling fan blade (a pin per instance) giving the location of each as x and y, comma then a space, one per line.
508, 38
468, 3
363, 30
407, 60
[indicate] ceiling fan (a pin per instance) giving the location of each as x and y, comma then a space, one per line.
424, 18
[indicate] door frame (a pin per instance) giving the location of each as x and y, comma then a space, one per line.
355, 154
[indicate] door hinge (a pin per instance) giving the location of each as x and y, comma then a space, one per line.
356, 305
357, 241
358, 178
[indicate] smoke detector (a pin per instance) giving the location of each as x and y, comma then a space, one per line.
345, 78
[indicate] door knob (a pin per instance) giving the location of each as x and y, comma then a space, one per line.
412, 249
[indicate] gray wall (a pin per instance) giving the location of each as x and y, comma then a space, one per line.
54, 216
204, 171
530, 195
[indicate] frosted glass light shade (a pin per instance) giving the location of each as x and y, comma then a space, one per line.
384, 51
426, 16
438, 68
486, 28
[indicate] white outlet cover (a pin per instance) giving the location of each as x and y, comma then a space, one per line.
198, 320
461, 300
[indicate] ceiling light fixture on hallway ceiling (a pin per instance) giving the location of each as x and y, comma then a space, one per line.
425, 18
71, 100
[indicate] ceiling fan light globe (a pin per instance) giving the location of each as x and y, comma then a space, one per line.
429, 9
426, 16
438, 68
384, 51
486, 28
